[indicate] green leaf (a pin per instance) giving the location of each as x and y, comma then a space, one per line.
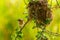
48, 20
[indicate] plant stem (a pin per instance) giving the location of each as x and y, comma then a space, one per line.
41, 33
24, 25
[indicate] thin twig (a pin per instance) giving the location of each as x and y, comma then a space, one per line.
58, 3
25, 2
22, 28
24, 25
54, 34
51, 4
43, 29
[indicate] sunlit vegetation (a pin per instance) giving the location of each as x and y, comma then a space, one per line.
12, 10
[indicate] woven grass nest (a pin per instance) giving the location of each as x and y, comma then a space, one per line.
40, 11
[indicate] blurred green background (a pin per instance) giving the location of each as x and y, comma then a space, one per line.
12, 10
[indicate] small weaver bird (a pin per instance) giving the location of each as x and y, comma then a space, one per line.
20, 22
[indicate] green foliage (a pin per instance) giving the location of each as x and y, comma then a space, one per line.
10, 13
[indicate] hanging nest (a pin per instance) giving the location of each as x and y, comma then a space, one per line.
39, 11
